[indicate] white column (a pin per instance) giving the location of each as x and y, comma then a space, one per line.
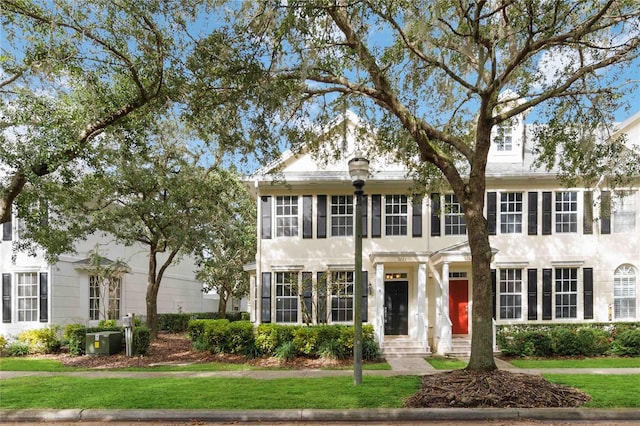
379, 298
445, 324
422, 303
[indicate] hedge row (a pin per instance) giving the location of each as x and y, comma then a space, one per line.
76, 336
179, 323
546, 340
282, 341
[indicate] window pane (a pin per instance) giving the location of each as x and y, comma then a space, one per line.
454, 221
396, 208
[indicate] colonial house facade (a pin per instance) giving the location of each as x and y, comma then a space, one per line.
559, 254
37, 294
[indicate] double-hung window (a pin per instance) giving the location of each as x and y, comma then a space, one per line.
624, 292
454, 221
341, 215
27, 289
287, 216
287, 296
624, 212
504, 137
396, 208
511, 212
104, 298
510, 293
566, 211
566, 292
342, 296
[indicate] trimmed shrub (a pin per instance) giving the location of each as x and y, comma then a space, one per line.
141, 340
346, 340
565, 341
41, 340
592, 341
627, 343
240, 337
75, 335
306, 340
195, 331
3, 345
216, 334
270, 336
107, 323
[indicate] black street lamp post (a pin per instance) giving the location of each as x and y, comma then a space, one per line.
359, 171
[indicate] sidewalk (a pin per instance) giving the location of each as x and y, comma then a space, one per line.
399, 366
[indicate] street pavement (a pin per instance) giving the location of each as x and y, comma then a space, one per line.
400, 416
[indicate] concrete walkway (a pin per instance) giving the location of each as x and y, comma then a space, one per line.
399, 366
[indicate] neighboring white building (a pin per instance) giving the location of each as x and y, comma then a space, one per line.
36, 294
558, 256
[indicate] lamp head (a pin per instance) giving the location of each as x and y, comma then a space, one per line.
358, 169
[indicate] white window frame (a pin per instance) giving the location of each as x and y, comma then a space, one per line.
287, 214
510, 294
566, 287
624, 212
396, 211
104, 300
566, 212
511, 206
454, 219
624, 292
504, 137
342, 293
27, 296
287, 291
342, 215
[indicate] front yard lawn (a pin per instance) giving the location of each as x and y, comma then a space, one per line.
603, 362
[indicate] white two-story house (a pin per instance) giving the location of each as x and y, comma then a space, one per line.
559, 254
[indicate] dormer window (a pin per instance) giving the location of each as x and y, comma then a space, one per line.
504, 137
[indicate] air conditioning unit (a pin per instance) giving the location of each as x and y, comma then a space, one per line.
104, 343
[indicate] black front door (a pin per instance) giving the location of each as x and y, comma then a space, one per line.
396, 308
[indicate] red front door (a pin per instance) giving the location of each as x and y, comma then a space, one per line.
458, 303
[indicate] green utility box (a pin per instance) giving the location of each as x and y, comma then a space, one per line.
104, 343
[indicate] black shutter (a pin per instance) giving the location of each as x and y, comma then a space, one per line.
416, 216
6, 298
546, 213
435, 214
265, 207
588, 293
605, 212
587, 216
322, 217
44, 297
492, 201
376, 213
266, 297
365, 296
365, 215
307, 293
322, 297
532, 294
532, 219
493, 293
547, 286
6, 230
307, 216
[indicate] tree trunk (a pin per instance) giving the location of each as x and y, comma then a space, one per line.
222, 306
152, 296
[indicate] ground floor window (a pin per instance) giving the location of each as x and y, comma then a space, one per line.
342, 296
287, 296
104, 298
510, 293
27, 292
624, 292
566, 292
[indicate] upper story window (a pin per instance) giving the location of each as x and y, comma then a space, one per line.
396, 208
341, 215
566, 211
624, 212
511, 212
454, 221
504, 137
287, 216
624, 292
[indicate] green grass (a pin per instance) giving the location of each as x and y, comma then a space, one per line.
59, 392
34, 364
606, 362
446, 363
606, 391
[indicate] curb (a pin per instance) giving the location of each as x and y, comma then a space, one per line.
314, 415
